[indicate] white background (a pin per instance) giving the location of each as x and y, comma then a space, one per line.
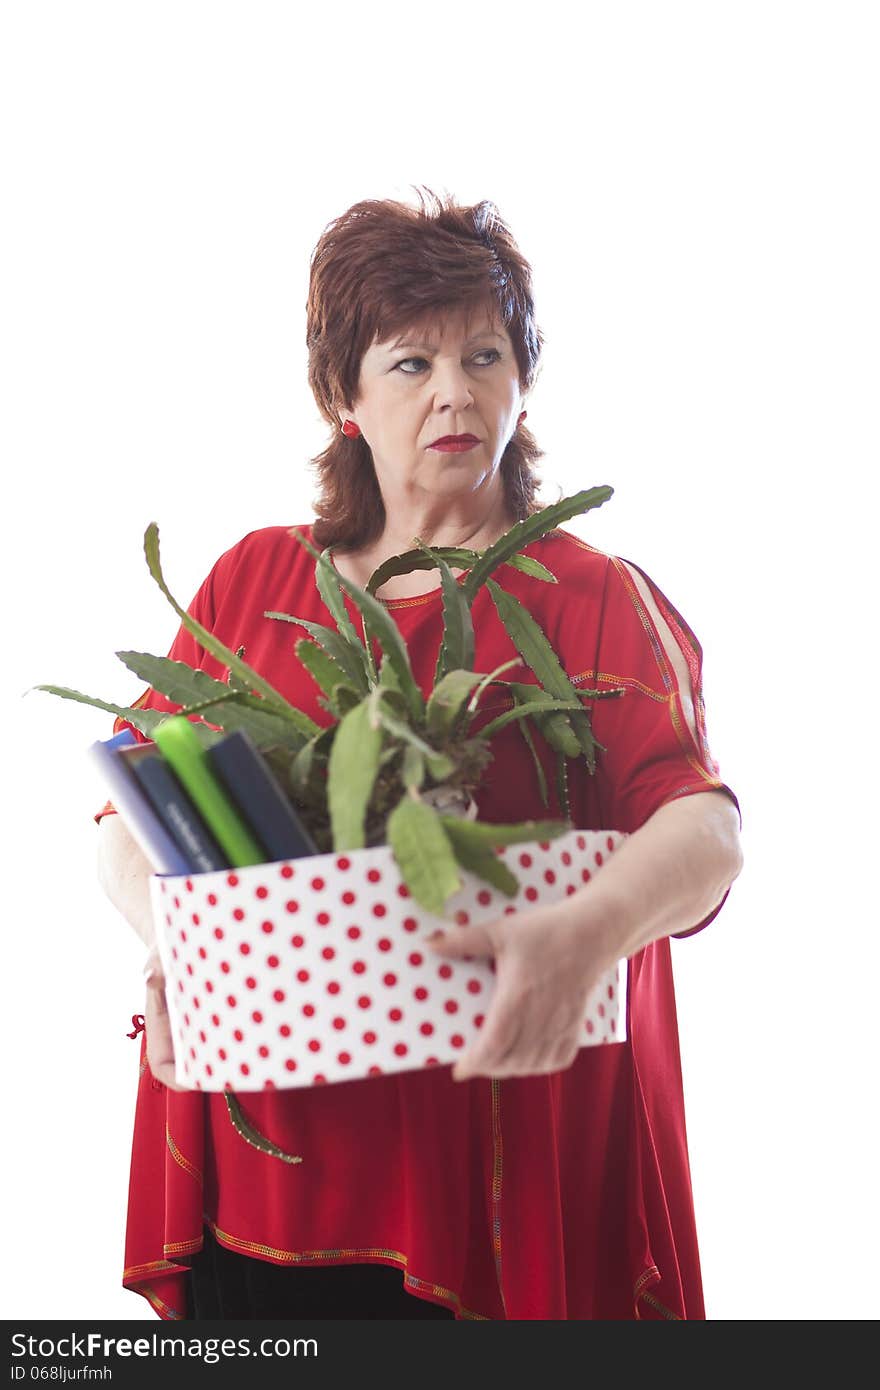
695, 185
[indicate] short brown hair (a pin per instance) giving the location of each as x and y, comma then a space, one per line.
384, 267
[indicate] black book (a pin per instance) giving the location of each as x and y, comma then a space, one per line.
258, 795
175, 808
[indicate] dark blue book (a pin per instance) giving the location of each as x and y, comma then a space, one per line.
134, 806
175, 808
259, 797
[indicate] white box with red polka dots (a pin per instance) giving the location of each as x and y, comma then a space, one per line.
314, 970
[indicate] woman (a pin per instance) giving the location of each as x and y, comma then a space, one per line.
536, 1178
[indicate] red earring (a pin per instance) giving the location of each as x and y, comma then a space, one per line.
522, 417
350, 429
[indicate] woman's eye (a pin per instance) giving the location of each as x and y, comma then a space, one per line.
491, 353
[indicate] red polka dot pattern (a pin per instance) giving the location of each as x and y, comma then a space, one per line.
305, 996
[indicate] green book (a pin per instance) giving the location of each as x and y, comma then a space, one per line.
180, 746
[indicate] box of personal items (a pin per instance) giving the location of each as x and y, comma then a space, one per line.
300, 868
313, 970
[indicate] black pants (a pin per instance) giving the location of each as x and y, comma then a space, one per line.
224, 1284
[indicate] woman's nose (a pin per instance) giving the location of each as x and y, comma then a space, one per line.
452, 387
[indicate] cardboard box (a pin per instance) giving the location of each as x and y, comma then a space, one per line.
313, 970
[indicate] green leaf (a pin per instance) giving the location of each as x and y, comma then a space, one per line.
447, 699
610, 694
351, 775
418, 559
562, 784
206, 639
489, 680
326, 672
457, 556
393, 700
343, 698
301, 767
145, 720
327, 581
335, 646
232, 679
412, 768
183, 685
529, 565
532, 644
488, 835
380, 625
423, 853
539, 768
523, 712
559, 733
553, 725
195, 691
439, 764
247, 713
526, 691
310, 756
253, 1136
479, 859
388, 676
533, 527
457, 643
330, 583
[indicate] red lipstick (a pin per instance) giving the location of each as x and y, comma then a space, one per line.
455, 443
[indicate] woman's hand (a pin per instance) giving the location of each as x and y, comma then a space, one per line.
160, 1048
665, 878
545, 968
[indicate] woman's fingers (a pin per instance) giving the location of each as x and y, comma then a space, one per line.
541, 983
487, 1057
525, 1030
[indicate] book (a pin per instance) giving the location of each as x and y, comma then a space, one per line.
135, 808
258, 794
175, 808
182, 748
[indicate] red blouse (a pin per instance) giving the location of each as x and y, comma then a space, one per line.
543, 1197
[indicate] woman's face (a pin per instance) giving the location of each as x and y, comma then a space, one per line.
415, 388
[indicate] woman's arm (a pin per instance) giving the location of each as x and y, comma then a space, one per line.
123, 873
666, 877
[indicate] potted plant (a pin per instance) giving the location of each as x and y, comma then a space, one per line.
394, 773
